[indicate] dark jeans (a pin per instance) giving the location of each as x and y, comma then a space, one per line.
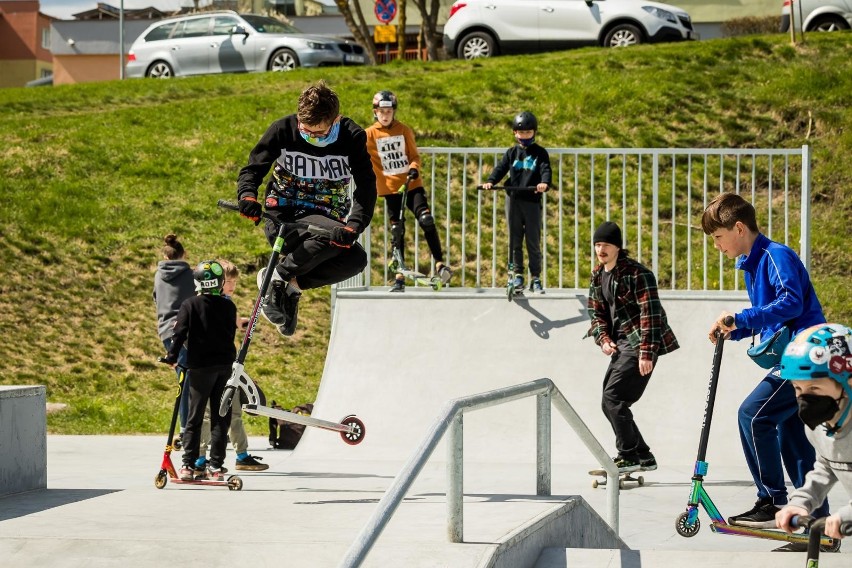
524, 219
622, 386
772, 433
207, 386
312, 259
183, 408
415, 201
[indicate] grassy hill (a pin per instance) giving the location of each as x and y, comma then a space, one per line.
94, 175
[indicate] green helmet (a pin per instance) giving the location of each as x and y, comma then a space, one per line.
209, 277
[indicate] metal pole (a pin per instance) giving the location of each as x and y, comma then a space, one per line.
455, 479
543, 445
805, 237
121, 40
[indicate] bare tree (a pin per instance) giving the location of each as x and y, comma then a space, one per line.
359, 28
430, 23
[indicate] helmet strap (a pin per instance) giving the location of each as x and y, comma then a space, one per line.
843, 415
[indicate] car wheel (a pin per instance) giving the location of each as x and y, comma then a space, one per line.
623, 35
475, 45
283, 60
160, 70
828, 23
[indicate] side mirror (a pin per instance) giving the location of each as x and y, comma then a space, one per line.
239, 30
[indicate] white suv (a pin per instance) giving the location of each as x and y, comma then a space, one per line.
818, 15
483, 28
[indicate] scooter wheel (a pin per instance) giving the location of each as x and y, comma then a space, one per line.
161, 479
177, 442
225, 402
235, 483
354, 437
510, 292
595, 484
683, 528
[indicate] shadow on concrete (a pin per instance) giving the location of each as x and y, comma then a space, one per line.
23, 504
543, 325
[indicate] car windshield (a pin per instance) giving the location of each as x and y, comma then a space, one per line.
266, 25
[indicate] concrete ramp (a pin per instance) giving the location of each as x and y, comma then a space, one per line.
395, 359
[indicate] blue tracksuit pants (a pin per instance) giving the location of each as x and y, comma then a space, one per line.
771, 433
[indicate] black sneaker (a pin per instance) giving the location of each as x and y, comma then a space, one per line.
443, 271
803, 547
648, 463
398, 285
761, 516
273, 306
535, 286
291, 311
250, 463
626, 465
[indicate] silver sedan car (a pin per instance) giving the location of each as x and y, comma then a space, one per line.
227, 42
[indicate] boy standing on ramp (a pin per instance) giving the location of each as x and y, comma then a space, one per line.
630, 326
314, 155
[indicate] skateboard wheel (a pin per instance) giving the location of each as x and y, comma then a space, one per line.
235, 483
595, 484
683, 528
621, 484
354, 437
641, 480
161, 479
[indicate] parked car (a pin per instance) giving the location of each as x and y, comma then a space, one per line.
483, 28
228, 42
818, 15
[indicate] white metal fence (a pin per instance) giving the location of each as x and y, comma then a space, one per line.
656, 195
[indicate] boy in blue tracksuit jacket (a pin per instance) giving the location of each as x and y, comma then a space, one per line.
781, 293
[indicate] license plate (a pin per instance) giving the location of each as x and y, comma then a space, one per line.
353, 58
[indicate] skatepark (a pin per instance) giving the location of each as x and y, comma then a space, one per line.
395, 360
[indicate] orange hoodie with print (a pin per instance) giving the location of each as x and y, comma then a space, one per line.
393, 152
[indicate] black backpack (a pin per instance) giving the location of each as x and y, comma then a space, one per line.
285, 435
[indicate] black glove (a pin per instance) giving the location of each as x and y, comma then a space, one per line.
250, 209
413, 173
167, 360
343, 236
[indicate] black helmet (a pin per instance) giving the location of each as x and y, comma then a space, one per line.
210, 277
384, 99
525, 121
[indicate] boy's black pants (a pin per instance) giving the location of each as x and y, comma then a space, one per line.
206, 387
622, 386
312, 259
524, 222
416, 202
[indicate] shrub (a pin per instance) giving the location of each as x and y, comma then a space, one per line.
751, 25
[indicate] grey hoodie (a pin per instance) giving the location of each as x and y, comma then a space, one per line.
173, 283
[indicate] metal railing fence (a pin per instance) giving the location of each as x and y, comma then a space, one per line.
656, 195
451, 421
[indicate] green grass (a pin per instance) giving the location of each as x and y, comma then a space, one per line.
95, 174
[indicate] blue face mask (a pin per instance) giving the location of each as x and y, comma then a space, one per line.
323, 141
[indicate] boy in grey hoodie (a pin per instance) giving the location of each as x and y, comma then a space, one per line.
173, 283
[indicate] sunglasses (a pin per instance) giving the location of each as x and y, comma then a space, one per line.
317, 133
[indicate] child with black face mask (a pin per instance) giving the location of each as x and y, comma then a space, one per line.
819, 365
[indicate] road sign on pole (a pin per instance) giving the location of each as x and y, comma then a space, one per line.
385, 10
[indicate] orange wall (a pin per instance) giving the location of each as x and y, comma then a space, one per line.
68, 69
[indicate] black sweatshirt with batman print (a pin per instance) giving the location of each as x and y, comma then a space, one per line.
312, 180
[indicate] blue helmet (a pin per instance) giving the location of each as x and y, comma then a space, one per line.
209, 277
821, 351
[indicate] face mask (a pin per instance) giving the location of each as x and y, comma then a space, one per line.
524, 142
329, 138
814, 409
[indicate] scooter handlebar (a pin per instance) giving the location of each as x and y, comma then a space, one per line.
808, 522
311, 228
494, 187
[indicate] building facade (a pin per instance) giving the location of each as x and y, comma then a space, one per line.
24, 43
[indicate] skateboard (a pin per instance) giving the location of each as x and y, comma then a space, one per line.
623, 478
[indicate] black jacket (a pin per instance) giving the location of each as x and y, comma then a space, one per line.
207, 324
527, 167
311, 180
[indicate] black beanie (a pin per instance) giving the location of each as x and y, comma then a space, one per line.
608, 232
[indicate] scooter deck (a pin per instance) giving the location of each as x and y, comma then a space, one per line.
432, 281
351, 429
623, 478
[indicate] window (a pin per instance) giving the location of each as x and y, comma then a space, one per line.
46, 73
45, 38
222, 25
161, 32
193, 28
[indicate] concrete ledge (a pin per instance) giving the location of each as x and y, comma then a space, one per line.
573, 522
23, 439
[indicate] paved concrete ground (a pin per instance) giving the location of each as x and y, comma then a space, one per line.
394, 361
